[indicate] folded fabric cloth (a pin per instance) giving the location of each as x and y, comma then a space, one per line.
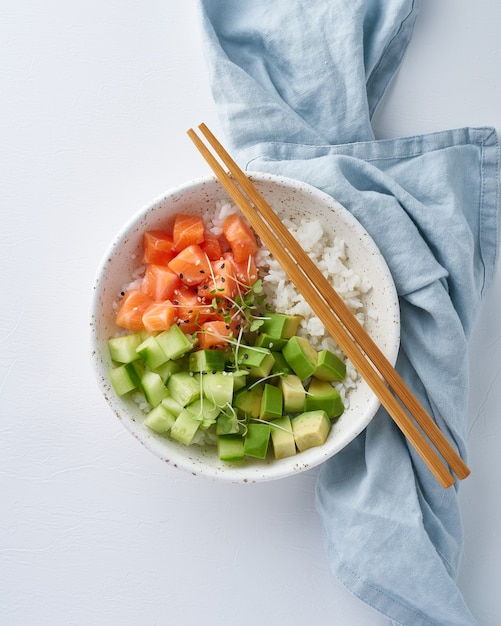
296, 83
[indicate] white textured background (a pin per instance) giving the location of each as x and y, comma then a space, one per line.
95, 100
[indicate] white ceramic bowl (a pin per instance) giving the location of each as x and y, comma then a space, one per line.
289, 198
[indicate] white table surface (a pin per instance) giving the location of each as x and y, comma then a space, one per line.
96, 98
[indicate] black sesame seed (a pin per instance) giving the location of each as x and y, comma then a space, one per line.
180, 276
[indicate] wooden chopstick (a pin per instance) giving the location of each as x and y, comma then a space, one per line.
304, 273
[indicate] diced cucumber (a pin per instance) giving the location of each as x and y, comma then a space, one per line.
153, 387
172, 405
271, 403
174, 342
166, 370
204, 410
159, 419
282, 437
280, 325
185, 427
258, 361
123, 349
218, 387
239, 379
206, 361
227, 423
294, 393
151, 352
183, 387
310, 429
322, 396
230, 448
257, 439
329, 366
124, 378
301, 356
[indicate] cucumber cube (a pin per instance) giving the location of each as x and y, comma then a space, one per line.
322, 396
124, 378
184, 388
294, 393
310, 429
204, 410
153, 388
258, 361
218, 387
174, 342
329, 366
151, 352
185, 427
230, 448
172, 405
301, 356
160, 420
256, 440
123, 349
239, 379
227, 423
271, 403
282, 438
280, 325
166, 370
206, 361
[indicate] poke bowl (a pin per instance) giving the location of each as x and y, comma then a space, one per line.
154, 393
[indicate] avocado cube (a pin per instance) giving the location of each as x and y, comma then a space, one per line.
151, 352
282, 437
322, 396
227, 423
218, 387
271, 403
258, 361
206, 361
257, 440
294, 393
239, 379
280, 367
153, 387
248, 401
159, 419
123, 349
301, 356
183, 387
185, 427
280, 325
310, 429
272, 343
230, 447
174, 342
329, 366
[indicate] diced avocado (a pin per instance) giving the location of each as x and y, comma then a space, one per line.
227, 423
153, 387
230, 447
124, 378
329, 366
174, 342
185, 427
294, 393
159, 419
123, 349
239, 379
183, 387
280, 325
301, 356
166, 370
280, 367
206, 361
322, 395
271, 403
218, 387
310, 429
151, 352
258, 361
272, 343
248, 401
282, 437
256, 440
172, 405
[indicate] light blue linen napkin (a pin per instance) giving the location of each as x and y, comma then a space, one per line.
296, 83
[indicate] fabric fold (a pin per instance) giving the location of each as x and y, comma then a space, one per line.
296, 84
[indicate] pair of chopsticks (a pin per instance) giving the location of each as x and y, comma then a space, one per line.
351, 337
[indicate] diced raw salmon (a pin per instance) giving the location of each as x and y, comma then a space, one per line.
160, 282
240, 237
191, 265
214, 334
188, 230
211, 246
159, 316
131, 309
245, 272
158, 247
